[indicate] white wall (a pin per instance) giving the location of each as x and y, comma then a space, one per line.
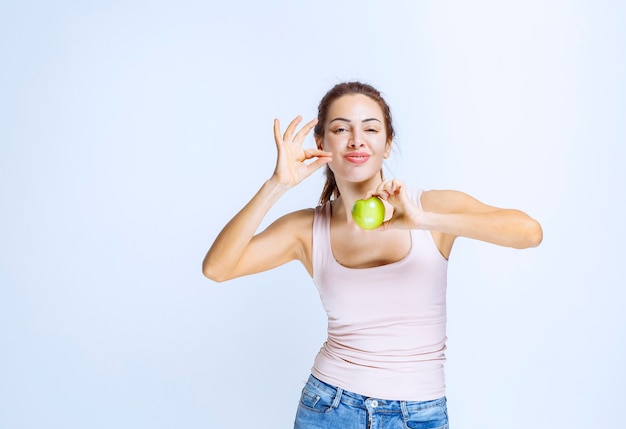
130, 132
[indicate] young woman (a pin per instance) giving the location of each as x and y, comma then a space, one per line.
384, 290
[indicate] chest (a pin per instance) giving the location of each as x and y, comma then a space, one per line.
366, 249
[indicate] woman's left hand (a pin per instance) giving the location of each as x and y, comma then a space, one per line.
406, 214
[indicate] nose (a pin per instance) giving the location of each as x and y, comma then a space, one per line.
356, 140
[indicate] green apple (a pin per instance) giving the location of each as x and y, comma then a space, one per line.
368, 214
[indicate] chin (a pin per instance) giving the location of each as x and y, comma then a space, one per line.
355, 173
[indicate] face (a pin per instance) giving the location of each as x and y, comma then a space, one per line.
355, 134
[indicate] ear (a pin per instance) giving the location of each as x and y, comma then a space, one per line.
387, 149
319, 142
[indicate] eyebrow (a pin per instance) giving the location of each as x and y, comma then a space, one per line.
349, 121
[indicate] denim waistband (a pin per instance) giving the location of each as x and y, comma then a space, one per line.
357, 400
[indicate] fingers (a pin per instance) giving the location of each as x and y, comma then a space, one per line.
306, 129
277, 135
387, 188
319, 162
291, 128
312, 153
321, 156
288, 136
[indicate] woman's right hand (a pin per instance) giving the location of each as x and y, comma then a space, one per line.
291, 164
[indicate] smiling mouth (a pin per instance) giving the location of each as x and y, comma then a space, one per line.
357, 158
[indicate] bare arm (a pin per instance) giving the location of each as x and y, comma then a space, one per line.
452, 214
237, 251
456, 214
223, 260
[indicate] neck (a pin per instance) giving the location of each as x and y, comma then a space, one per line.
350, 192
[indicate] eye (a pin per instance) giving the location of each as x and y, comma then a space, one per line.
340, 130
371, 130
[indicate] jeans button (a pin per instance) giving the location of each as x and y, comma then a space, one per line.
374, 403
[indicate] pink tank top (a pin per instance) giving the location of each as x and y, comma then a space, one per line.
386, 324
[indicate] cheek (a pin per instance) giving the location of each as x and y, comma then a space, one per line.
336, 143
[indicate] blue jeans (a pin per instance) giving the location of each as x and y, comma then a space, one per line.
323, 406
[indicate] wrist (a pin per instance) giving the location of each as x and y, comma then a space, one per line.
276, 186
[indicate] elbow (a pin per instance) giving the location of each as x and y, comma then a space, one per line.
536, 234
211, 276
213, 273
533, 235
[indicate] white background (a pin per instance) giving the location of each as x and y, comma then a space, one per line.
131, 131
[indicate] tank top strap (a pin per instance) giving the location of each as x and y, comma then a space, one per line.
321, 251
416, 196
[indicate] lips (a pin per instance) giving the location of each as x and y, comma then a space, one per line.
357, 157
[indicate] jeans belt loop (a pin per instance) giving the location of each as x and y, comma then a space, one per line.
405, 412
335, 403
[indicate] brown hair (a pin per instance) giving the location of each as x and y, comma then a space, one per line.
347, 88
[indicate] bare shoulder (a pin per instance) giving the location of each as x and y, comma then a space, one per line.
297, 220
451, 201
294, 226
